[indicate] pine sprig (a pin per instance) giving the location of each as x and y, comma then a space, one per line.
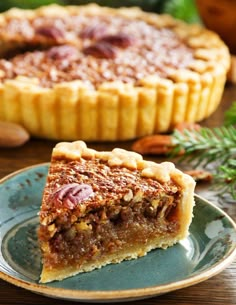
206, 146
230, 115
216, 145
227, 173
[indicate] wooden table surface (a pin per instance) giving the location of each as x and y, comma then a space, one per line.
220, 289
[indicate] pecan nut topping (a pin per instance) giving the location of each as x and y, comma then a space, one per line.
95, 31
62, 52
50, 32
101, 50
105, 46
119, 40
70, 195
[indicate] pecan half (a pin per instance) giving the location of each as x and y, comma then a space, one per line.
189, 126
62, 52
94, 31
101, 50
119, 40
200, 175
160, 144
154, 144
70, 195
50, 32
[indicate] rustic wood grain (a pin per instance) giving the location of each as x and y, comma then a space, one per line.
221, 289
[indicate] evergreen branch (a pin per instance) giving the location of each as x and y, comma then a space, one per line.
225, 179
206, 146
230, 115
209, 144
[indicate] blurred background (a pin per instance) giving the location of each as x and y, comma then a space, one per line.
181, 9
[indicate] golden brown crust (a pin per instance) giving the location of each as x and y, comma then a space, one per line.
114, 110
49, 275
162, 172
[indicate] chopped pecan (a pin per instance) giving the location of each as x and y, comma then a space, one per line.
101, 50
50, 32
119, 40
95, 31
69, 195
62, 52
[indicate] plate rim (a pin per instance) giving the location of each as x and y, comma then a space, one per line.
120, 295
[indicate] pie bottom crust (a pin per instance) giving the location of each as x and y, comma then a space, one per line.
115, 111
49, 275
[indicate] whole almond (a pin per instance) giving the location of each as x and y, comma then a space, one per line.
12, 135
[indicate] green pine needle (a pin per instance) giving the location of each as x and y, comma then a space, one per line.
206, 146
230, 115
226, 178
216, 144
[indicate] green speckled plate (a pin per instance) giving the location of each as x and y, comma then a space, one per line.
209, 248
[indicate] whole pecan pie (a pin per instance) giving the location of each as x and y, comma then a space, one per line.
100, 208
99, 73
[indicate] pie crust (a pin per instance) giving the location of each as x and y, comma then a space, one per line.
154, 73
100, 208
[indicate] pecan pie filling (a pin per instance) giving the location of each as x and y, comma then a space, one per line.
104, 207
88, 212
94, 50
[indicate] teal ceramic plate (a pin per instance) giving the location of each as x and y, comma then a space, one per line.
210, 247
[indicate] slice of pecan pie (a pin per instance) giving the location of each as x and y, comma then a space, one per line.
99, 73
104, 207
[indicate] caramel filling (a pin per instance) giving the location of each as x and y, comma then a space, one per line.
109, 230
125, 210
